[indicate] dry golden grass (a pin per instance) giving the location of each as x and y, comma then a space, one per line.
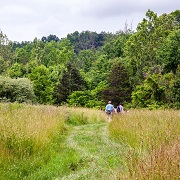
25, 130
162, 163
152, 138
141, 128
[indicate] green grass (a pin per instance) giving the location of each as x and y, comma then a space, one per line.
101, 156
33, 140
28, 135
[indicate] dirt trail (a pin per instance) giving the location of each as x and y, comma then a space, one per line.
101, 156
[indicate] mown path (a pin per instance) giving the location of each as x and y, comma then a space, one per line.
101, 156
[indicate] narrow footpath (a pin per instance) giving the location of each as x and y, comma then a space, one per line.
101, 155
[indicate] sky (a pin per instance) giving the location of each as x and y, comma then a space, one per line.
24, 20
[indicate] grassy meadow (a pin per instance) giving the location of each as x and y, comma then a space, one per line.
49, 142
152, 140
32, 139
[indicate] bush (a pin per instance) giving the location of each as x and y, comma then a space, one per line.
19, 90
84, 99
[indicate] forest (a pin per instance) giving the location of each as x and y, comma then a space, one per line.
86, 69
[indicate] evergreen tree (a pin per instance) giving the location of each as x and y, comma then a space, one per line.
71, 81
119, 88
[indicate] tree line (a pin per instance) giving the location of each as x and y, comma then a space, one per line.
140, 68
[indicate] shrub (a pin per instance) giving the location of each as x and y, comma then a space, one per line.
19, 90
84, 99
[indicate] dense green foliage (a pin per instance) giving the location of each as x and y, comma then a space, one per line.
87, 69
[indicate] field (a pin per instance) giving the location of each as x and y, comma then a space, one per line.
152, 140
48, 142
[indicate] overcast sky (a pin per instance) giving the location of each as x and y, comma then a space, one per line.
23, 20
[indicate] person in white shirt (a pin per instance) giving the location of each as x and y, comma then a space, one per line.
120, 108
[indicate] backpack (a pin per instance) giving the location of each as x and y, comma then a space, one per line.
108, 111
119, 109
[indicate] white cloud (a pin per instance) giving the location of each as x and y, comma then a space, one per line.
24, 20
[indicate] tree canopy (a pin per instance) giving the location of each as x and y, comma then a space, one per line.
139, 68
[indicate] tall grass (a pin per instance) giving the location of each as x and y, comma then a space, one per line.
152, 139
27, 135
33, 140
80, 116
25, 130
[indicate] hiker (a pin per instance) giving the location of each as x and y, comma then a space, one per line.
120, 108
109, 109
